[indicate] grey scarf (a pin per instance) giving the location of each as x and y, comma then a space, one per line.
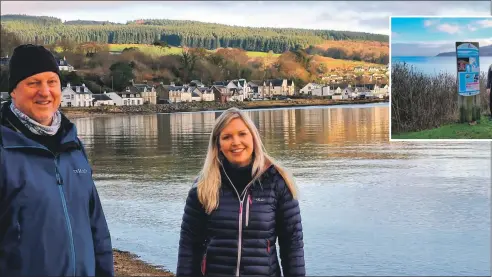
34, 126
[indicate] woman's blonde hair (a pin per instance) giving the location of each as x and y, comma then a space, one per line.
209, 179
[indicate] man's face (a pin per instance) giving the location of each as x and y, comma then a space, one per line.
38, 96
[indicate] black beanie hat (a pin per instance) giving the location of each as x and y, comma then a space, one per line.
28, 60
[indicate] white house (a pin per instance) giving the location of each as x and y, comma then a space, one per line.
243, 87
326, 91
76, 96
311, 89
63, 65
102, 100
129, 99
345, 94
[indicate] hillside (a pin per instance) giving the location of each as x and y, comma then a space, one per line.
175, 33
485, 51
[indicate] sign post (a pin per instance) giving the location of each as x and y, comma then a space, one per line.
468, 80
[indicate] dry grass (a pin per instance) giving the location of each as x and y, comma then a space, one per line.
128, 264
420, 101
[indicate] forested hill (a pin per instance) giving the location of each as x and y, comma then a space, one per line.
47, 30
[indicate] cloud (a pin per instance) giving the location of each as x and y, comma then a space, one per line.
394, 34
472, 28
486, 23
448, 28
430, 22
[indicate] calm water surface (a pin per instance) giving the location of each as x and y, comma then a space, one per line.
369, 207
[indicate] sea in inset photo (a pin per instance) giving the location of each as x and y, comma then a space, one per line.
439, 68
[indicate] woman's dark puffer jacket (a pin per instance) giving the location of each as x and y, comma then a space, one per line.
209, 243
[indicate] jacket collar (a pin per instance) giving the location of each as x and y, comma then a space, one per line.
11, 137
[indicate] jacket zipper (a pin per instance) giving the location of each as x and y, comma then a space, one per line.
240, 238
18, 231
65, 210
204, 259
204, 264
250, 202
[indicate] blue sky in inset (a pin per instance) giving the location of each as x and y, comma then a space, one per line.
428, 36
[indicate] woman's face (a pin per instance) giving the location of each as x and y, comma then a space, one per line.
236, 143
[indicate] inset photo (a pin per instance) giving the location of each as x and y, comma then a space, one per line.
441, 76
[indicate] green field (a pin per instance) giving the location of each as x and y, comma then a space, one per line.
148, 49
162, 51
482, 130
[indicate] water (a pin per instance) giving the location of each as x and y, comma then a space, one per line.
436, 65
369, 207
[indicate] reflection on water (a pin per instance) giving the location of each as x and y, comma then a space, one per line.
369, 207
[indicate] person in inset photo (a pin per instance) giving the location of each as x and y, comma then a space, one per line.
489, 86
462, 64
242, 203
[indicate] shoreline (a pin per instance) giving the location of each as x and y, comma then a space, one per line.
129, 264
82, 112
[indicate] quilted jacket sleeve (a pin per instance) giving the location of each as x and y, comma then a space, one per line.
289, 229
191, 236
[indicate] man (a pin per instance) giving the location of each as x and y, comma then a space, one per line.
51, 219
489, 86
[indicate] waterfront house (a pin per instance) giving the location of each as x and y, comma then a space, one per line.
147, 92
76, 96
277, 87
253, 90
311, 89
178, 94
102, 100
206, 94
221, 93
327, 91
125, 99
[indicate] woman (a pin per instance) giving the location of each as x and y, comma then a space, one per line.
241, 202
51, 219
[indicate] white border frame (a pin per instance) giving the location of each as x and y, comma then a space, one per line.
391, 83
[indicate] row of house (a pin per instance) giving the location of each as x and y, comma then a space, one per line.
81, 96
336, 92
224, 91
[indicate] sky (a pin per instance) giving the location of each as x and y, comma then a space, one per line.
364, 16
427, 36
